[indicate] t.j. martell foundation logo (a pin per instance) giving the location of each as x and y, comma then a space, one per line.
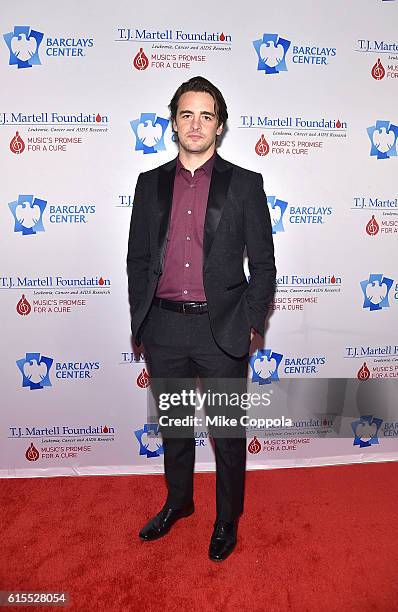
143, 380
23, 307
17, 145
363, 372
254, 446
378, 71
262, 146
141, 62
32, 454
372, 227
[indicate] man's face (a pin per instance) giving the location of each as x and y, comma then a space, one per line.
196, 122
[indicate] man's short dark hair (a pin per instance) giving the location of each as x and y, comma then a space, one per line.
199, 83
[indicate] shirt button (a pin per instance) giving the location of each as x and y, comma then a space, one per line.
187, 265
185, 291
188, 237
189, 212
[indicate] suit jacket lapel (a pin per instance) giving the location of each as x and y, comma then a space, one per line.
220, 180
165, 198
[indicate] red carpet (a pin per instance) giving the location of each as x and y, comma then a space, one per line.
313, 539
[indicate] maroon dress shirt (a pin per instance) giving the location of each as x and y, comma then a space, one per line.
182, 278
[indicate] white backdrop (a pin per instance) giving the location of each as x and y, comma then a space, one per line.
311, 93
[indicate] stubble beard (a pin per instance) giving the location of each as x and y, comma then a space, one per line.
198, 148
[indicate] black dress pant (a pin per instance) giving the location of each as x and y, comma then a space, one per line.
180, 347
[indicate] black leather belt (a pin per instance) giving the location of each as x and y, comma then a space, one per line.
183, 307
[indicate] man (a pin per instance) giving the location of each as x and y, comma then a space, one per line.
192, 220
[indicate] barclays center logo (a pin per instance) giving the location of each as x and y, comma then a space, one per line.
295, 215
28, 210
149, 131
149, 440
277, 209
271, 50
366, 431
28, 214
383, 137
23, 45
376, 291
264, 364
35, 370
267, 364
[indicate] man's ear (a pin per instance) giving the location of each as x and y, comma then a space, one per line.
173, 123
220, 129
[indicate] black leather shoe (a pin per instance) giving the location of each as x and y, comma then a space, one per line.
161, 524
223, 540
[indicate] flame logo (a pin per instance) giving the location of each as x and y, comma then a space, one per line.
105, 429
363, 372
17, 145
372, 228
98, 118
32, 454
101, 281
338, 124
254, 446
333, 279
262, 146
143, 379
222, 36
23, 307
378, 71
141, 61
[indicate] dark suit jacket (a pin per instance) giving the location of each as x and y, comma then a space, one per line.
237, 217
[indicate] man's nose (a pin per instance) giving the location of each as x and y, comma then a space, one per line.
196, 123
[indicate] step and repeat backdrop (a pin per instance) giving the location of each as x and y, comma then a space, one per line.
311, 90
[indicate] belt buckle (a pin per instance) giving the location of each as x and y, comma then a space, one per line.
183, 308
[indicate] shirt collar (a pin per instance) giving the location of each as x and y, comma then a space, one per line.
207, 166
